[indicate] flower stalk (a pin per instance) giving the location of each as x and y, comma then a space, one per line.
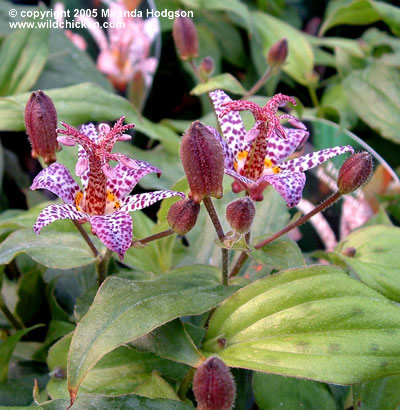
14, 321
153, 237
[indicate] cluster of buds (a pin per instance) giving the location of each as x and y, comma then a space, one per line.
213, 385
41, 125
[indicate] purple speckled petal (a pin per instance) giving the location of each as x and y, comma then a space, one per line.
279, 149
140, 201
228, 155
288, 184
125, 178
238, 177
57, 179
90, 131
114, 230
231, 124
314, 159
54, 212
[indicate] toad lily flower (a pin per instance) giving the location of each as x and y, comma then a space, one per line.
103, 201
255, 159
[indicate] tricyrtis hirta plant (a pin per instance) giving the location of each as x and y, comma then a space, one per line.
103, 200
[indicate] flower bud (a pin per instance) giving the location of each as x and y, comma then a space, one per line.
41, 124
206, 67
278, 53
240, 214
182, 216
185, 37
213, 385
354, 172
203, 161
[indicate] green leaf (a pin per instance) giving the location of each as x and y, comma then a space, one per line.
314, 323
381, 394
276, 392
49, 249
378, 84
156, 387
232, 6
300, 61
124, 310
23, 55
170, 341
357, 12
280, 254
225, 82
361, 12
101, 402
7, 348
377, 260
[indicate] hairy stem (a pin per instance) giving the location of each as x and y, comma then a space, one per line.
221, 236
259, 83
243, 256
86, 238
154, 237
102, 266
14, 321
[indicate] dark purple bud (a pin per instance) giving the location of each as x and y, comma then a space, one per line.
41, 124
203, 162
350, 252
278, 53
182, 216
213, 385
185, 37
206, 67
240, 214
354, 172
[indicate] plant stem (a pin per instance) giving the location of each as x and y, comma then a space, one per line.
221, 236
259, 83
314, 97
14, 321
154, 237
86, 238
243, 256
102, 266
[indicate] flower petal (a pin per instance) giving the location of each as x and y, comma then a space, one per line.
57, 179
238, 177
125, 179
279, 149
140, 201
54, 212
228, 155
314, 159
114, 230
231, 124
288, 184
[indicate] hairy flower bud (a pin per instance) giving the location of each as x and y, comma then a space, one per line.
354, 172
206, 67
185, 37
213, 385
182, 216
203, 161
41, 124
240, 214
278, 53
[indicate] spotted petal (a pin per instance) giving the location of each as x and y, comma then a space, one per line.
314, 159
231, 124
288, 184
114, 230
54, 212
279, 149
228, 155
57, 179
238, 177
140, 201
124, 179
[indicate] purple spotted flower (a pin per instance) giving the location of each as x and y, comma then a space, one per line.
103, 200
257, 158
